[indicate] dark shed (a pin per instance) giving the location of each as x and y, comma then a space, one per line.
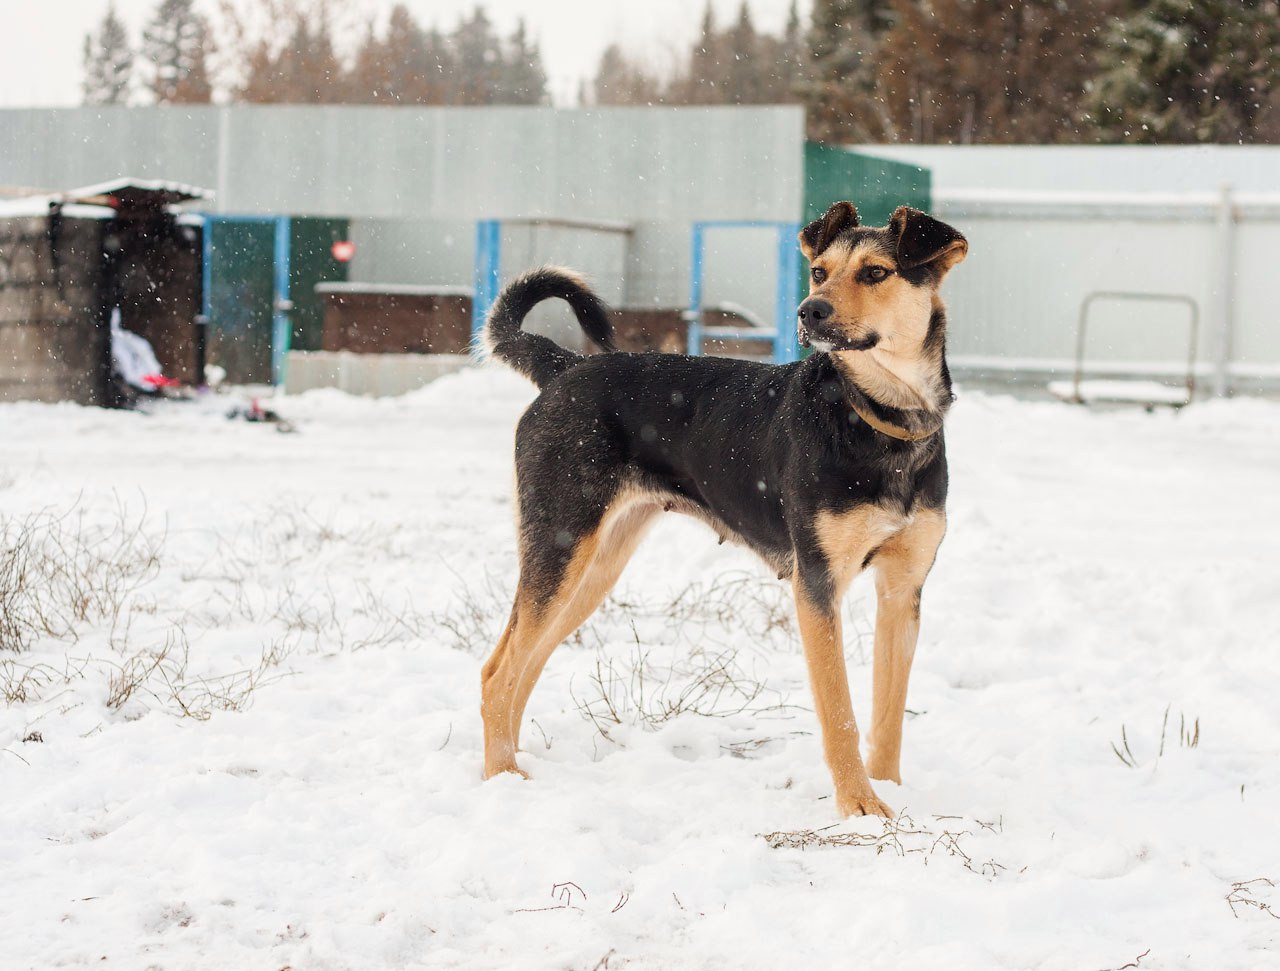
68, 259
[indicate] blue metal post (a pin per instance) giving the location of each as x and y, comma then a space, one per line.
488, 262
785, 346
206, 270
281, 326
695, 291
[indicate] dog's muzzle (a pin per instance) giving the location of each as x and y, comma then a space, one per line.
813, 329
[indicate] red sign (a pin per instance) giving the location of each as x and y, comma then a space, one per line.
343, 250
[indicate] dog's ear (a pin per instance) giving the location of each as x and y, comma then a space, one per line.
923, 239
818, 235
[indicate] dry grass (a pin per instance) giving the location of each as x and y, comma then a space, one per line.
901, 836
163, 675
79, 578
643, 692
1244, 893
1188, 738
60, 571
732, 611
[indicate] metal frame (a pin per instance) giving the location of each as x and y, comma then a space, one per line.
782, 337
1193, 336
488, 261
281, 304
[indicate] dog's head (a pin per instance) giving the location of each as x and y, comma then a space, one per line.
874, 286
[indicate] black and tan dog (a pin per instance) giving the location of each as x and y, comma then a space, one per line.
824, 467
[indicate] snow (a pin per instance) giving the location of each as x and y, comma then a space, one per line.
336, 590
1098, 390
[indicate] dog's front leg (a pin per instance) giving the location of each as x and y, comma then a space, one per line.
820, 632
901, 566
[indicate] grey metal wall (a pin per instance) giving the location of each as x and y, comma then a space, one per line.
1014, 303
1093, 168
414, 180
661, 164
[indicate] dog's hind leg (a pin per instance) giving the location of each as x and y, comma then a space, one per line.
539, 624
901, 565
496, 684
614, 545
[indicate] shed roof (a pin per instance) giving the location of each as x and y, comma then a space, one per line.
105, 199
129, 193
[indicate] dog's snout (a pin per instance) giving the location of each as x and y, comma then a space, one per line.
815, 311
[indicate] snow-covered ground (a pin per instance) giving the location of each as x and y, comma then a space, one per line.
244, 730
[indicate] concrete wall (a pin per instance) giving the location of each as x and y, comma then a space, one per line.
52, 347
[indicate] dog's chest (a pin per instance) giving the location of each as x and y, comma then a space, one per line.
851, 535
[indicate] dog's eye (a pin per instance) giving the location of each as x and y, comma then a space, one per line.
818, 274
875, 273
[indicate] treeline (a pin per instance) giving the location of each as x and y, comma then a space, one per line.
932, 71
283, 52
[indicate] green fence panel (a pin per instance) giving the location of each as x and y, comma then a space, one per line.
312, 262
877, 186
241, 287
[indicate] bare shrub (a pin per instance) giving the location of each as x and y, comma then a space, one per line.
163, 674
59, 571
1244, 893
472, 621
21, 682
710, 685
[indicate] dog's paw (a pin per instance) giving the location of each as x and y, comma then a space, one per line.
863, 804
491, 770
883, 771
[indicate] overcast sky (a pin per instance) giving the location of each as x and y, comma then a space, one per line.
41, 41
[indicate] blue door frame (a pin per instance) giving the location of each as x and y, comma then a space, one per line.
488, 261
488, 265
787, 295
281, 327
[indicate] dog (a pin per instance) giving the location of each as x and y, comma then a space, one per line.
824, 467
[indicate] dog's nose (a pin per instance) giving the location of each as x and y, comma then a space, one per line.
815, 310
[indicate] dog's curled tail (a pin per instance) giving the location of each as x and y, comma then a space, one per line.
536, 357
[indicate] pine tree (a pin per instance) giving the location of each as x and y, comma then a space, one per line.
790, 61
523, 80
843, 38
621, 81
1189, 71
176, 43
367, 81
704, 80
108, 62
305, 70
743, 80
478, 60
403, 60
959, 71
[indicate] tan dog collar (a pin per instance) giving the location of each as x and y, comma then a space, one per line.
893, 431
